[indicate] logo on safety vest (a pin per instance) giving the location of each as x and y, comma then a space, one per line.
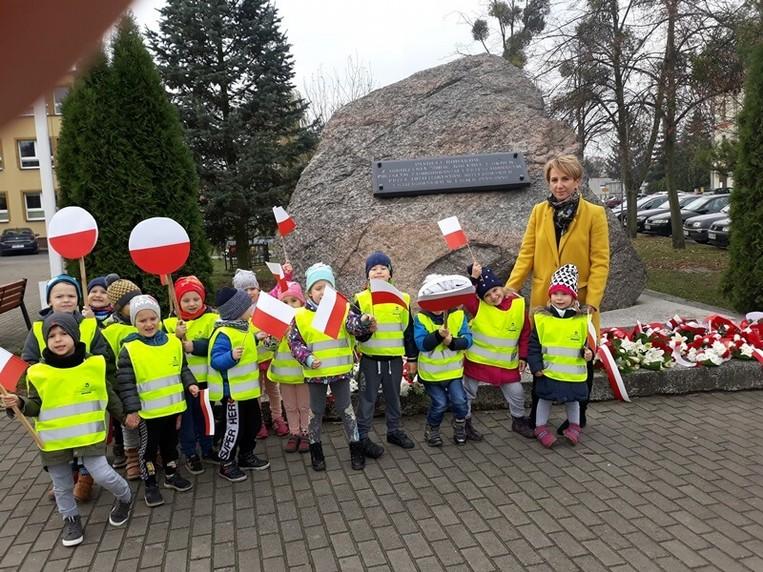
512, 327
86, 389
175, 361
575, 337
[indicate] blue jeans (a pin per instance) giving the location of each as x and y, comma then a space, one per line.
192, 429
442, 393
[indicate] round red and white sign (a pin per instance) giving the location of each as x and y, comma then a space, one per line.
72, 232
159, 245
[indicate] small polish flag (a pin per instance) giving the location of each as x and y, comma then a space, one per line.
454, 235
72, 232
382, 292
206, 413
445, 293
330, 314
279, 274
592, 344
285, 223
11, 369
272, 316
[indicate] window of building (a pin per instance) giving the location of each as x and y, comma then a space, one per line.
28, 154
33, 205
59, 94
4, 217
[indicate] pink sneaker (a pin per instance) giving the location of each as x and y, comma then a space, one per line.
572, 434
545, 436
263, 433
280, 427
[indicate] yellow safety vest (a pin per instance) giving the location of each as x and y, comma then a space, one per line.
562, 342
87, 329
336, 356
495, 335
157, 374
115, 333
74, 400
442, 364
391, 322
244, 377
285, 368
199, 329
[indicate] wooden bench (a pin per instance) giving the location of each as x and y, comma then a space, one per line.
12, 296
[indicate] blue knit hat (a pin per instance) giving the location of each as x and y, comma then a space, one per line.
66, 279
98, 281
232, 303
378, 258
319, 271
486, 281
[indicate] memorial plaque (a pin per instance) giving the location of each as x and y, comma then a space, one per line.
455, 174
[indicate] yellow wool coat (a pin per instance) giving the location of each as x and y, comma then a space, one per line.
585, 244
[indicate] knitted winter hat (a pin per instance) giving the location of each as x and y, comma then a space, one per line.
120, 292
486, 281
244, 279
186, 284
143, 302
565, 280
98, 281
378, 258
111, 278
65, 320
232, 303
319, 271
292, 289
65, 279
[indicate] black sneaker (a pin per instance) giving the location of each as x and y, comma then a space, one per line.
153, 496
401, 439
193, 464
211, 458
72, 535
459, 431
432, 436
119, 513
178, 482
231, 472
251, 462
370, 449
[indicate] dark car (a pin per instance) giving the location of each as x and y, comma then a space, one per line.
663, 207
718, 233
696, 227
647, 202
660, 223
18, 240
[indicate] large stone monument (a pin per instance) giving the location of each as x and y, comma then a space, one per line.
474, 105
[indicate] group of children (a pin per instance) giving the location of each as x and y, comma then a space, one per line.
119, 356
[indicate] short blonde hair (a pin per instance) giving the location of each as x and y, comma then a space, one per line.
567, 164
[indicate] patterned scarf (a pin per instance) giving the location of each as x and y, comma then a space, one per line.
564, 212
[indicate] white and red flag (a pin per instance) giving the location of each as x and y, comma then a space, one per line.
382, 292
11, 369
613, 373
452, 232
159, 245
206, 413
272, 316
592, 341
279, 274
329, 317
285, 223
440, 293
72, 232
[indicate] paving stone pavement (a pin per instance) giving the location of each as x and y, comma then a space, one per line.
12, 268
663, 483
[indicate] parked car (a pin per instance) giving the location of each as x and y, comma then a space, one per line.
647, 202
660, 223
18, 240
696, 227
663, 207
718, 233
615, 201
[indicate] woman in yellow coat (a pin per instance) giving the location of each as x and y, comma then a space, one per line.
565, 229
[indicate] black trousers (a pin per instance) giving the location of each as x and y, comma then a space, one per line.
242, 421
158, 435
583, 404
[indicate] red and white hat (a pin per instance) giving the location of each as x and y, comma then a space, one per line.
565, 280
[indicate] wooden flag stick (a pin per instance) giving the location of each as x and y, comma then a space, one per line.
83, 276
24, 421
174, 306
471, 253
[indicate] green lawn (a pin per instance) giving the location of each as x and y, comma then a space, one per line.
222, 277
694, 273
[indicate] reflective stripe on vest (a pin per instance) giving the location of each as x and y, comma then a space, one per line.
336, 356
285, 368
199, 329
157, 375
73, 410
496, 333
244, 377
391, 322
87, 329
562, 341
441, 364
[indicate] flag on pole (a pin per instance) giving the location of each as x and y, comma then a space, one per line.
285, 223
442, 293
592, 341
272, 316
279, 274
11, 369
452, 232
329, 317
382, 292
206, 413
